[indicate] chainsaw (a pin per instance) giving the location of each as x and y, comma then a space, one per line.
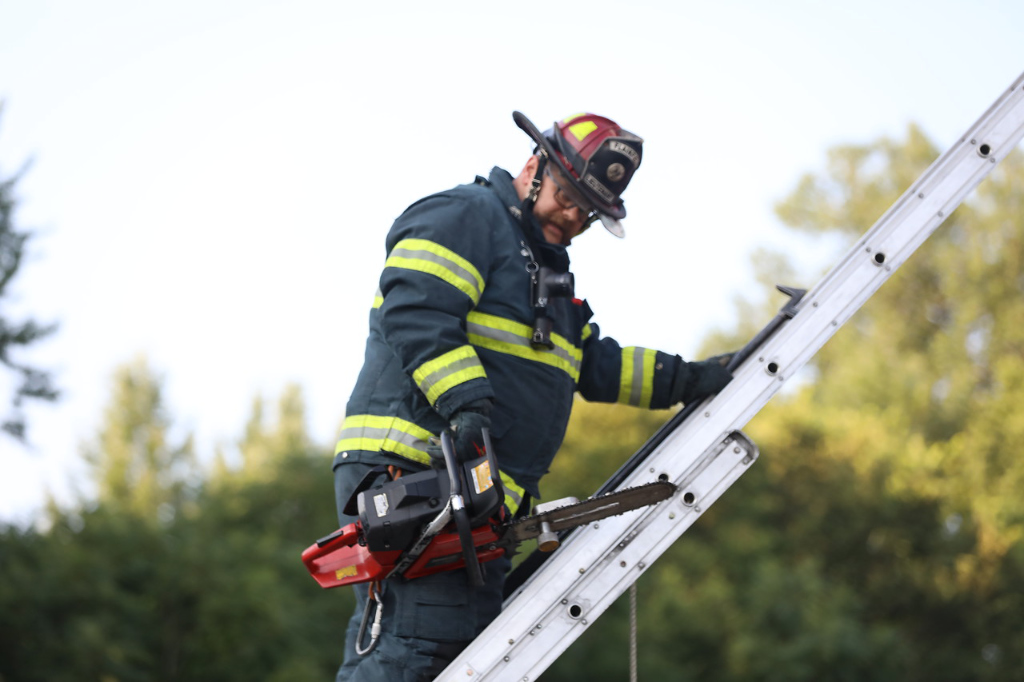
441, 520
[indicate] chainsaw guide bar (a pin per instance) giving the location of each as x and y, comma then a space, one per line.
591, 509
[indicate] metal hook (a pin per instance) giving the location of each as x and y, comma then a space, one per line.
374, 596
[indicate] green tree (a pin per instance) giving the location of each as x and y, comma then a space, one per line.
263, 446
264, 513
136, 465
30, 383
600, 438
921, 392
879, 535
121, 589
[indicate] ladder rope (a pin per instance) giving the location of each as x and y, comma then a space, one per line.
632, 633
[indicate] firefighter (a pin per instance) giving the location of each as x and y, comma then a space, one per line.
476, 325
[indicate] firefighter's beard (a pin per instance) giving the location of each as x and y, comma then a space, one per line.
557, 228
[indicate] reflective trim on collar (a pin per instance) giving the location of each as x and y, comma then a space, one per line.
513, 338
426, 256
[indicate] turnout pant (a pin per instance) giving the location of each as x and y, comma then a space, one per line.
426, 622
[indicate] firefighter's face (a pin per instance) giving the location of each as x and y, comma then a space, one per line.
561, 213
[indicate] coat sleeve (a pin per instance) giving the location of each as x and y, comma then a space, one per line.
631, 375
439, 254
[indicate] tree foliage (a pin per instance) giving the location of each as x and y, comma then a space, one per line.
879, 535
161, 578
136, 467
30, 383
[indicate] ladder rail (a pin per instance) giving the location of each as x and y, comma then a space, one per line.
705, 453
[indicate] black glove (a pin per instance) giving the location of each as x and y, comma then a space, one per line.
466, 426
697, 380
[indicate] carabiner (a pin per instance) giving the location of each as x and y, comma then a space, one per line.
374, 596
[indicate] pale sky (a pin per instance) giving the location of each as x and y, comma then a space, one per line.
212, 182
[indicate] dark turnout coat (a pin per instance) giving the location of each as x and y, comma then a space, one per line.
452, 323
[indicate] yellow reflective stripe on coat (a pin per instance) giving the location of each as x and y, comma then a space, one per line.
430, 257
513, 338
636, 383
388, 434
514, 494
378, 298
447, 371
374, 433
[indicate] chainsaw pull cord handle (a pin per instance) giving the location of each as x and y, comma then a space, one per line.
458, 505
373, 600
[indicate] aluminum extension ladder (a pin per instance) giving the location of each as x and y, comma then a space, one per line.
701, 450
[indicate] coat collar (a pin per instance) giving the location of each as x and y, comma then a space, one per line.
554, 256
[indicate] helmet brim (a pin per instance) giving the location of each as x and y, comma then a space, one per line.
612, 225
609, 214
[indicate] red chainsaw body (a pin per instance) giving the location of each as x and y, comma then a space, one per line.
394, 517
340, 558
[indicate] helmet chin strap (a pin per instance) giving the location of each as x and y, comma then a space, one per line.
538, 178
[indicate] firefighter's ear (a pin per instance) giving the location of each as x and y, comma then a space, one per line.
525, 178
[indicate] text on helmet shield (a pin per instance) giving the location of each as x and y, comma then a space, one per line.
596, 185
625, 150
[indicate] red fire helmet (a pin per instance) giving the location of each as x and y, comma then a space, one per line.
597, 156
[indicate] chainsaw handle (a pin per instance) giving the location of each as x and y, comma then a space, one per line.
492, 460
450, 463
476, 576
458, 505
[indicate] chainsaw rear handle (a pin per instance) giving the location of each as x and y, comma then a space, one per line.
492, 461
458, 505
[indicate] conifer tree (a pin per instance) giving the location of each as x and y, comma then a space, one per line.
136, 467
28, 382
